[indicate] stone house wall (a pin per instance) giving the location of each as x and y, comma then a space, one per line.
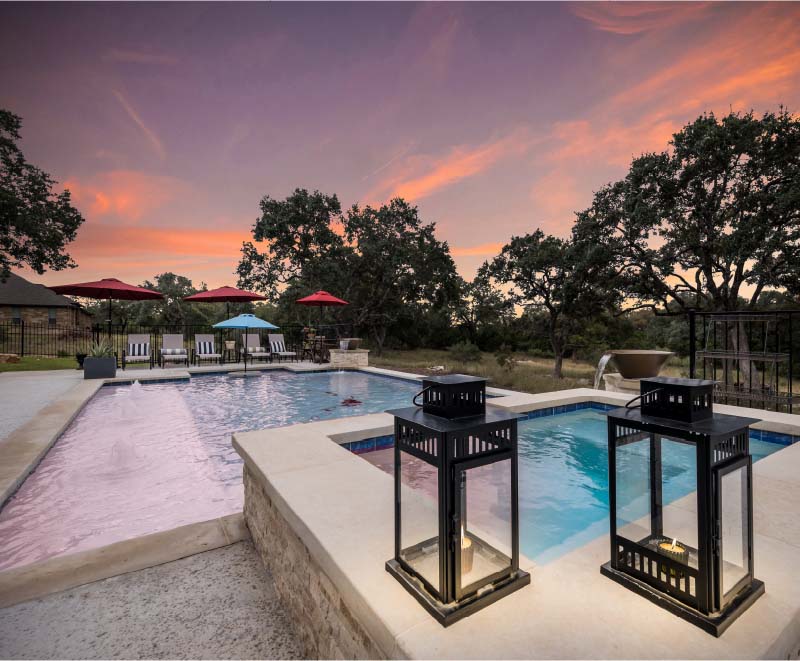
41, 315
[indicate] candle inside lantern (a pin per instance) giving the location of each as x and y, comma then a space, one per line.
467, 555
673, 549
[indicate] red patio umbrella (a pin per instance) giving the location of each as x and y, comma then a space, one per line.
321, 299
108, 288
225, 295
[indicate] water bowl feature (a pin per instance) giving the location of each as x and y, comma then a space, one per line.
632, 364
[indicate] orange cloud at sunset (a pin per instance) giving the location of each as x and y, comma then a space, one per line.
483, 250
635, 17
124, 194
421, 177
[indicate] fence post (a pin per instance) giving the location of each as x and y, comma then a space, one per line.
22, 338
692, 346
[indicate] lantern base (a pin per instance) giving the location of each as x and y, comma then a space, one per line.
713, 624
447, 614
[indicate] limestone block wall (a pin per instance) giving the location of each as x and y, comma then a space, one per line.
323, 622
349, 359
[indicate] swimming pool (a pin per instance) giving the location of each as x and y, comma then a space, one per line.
563, 479
143, 458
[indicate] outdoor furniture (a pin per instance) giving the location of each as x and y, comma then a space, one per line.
230, 351
307, 348
204, 349
138, 350
254, 349
173, 350
321, 347
277, 346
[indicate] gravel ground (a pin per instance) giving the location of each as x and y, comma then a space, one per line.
220, 604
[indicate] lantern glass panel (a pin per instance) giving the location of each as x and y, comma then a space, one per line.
656, 481
485, 531
633, 488
419, 519
734, 528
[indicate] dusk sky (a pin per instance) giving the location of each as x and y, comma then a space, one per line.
169, 122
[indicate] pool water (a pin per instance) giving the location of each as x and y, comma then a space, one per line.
563, 480
148, 457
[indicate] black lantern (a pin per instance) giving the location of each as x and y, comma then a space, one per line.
456, 510
680, 496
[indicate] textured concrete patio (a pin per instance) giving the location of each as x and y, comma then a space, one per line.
220, 604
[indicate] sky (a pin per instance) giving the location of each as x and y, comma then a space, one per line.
169, 122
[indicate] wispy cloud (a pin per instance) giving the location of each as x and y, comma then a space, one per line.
420, 176
123, 196
482, 250
636, 17
402, 152
137, 57
149, 134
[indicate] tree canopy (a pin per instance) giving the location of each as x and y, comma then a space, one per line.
569, 280
36, 223
384, 261
713, 221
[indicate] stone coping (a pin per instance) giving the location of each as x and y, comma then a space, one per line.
342, 509
68, 571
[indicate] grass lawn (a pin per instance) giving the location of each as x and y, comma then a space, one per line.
37, 363
529, 374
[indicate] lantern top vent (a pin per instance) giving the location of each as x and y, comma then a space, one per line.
454, 396
686, 400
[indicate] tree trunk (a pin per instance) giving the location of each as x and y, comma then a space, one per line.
380, 337
557, 364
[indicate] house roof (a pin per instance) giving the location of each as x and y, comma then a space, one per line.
18, 291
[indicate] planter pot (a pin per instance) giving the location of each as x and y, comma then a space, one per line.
99, 368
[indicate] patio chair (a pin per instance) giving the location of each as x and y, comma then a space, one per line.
204, 349
173, 350
253, 348
277, 346
137, 350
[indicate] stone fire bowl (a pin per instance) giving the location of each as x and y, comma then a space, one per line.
640, 363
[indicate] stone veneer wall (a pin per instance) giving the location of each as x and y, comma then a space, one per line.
351, 358
324, 623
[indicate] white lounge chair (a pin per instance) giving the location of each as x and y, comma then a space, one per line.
173, 350
204, 349
138, 350
254, 349
277, 346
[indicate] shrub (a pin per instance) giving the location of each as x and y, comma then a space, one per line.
465, 352
505, 358
101, 349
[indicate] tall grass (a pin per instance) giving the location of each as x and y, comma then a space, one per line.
527, 375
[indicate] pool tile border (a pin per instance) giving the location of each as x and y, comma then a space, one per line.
387, 441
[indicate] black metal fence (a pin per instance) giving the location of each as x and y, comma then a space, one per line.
751, 355
25, 339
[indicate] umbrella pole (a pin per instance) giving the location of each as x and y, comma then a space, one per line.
109, 318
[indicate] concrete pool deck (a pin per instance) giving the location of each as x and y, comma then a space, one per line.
330, 517
220, 604
342, 478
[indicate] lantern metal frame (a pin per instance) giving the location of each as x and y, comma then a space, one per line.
454, 446
721, 446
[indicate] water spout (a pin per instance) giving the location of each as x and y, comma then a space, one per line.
601, 367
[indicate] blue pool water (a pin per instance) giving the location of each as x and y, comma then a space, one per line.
563, 495
147, 457
563, 480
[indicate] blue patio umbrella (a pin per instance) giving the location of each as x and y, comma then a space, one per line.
245, 322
